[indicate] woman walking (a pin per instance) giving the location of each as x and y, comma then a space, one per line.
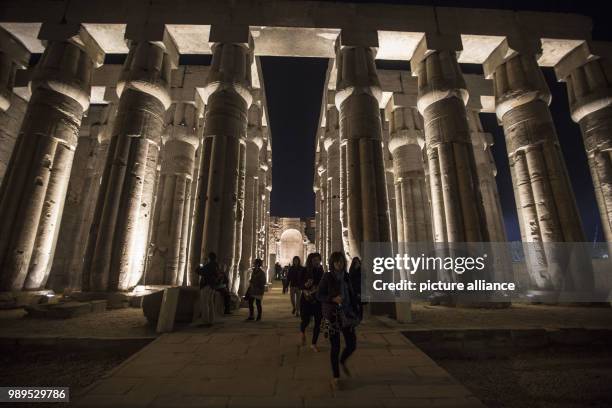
340, 314
257, 286
294, 275
310, 307
355, 278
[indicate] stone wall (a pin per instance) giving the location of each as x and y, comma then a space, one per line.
10, 122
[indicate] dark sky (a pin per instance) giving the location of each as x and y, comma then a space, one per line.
294, 89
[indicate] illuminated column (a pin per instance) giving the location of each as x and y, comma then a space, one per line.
322, 170
252, 198
331, 142
118, 239
588, 75
34, 187
228, 98
389, 180
543, 194
406, 139
267, 193
458, 214
357, 98
13, 56
83, 189
171, 219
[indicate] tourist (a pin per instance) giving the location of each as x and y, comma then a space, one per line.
340, 314
293, 278
222, 286
257, 287
309, 304
205, 315
278, 271
284, 280
355, 278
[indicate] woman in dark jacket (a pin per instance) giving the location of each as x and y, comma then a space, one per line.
340, 314
257, 287
294, 275
355, 277
309, 304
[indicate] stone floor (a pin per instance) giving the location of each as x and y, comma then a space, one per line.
246, 364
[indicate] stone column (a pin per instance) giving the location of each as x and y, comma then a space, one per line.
322, 169
13, 56
486, 170
267, 193
34, 188
588, 76
406, 139
458, 214
228, 98
389, 179
543, 194
118, 239
252, 196
171, 222
83, 189
331, 142
357, 98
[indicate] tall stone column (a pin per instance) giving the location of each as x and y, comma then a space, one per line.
406, 139
228, 98
357, 98
34, 187
83, 189
487, 170
252, 196
588, 75
13, 56
119, 235
171, 222
322, 170
389, 179
544, 198
331, 142
267, 234
458, 214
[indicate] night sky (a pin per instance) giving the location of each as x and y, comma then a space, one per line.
294, 89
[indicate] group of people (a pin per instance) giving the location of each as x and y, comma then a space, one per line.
331, 298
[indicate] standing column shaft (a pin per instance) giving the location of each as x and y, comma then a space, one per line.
389, 180
249, 225
118, 238
228, 99
413, 213
83, 189
332, 149
458, 215
357, 98
34, 187
322, 169
589, 87
543, 194
171, 220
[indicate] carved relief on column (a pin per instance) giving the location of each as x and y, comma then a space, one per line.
357, 98
171, 219
322, 170
458, 215
545, 201
254, 143
34, 188
13, 56
589, 84
83, 189
405, 144
331, 143
228, 97
119, 236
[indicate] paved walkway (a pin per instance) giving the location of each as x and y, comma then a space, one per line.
260, 364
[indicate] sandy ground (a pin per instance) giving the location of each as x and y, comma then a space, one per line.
552, 377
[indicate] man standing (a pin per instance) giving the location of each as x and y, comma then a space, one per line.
208, 281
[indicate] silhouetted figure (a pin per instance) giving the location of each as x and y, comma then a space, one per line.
257, 287
355, 277
208, 273
293, 278
309, 304
340, 314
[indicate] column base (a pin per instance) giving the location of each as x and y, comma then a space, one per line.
19, 299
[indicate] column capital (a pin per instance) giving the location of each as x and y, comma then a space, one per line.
405, 126
154, 33
432, 43
182, 124
76, 34
510, 47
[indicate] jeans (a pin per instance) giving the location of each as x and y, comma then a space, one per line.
251, 309
350, 338
295, 293
307, 311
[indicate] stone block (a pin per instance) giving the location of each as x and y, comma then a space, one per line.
151, 304
98, 306
167, 312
